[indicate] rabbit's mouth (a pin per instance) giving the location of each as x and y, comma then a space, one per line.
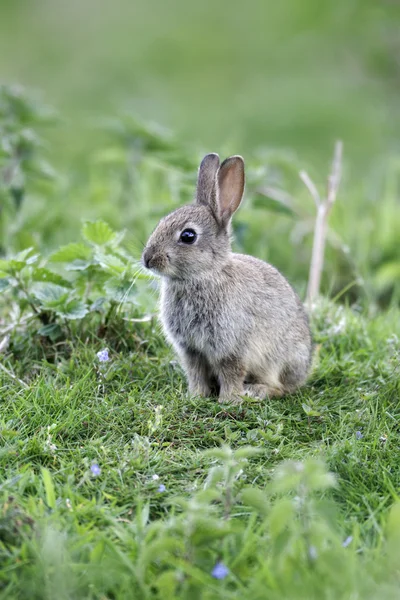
156, 262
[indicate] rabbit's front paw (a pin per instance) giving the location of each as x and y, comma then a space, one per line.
232, 399
201, 390
256, 390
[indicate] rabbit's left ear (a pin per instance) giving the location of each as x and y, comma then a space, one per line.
230, 187
206, 181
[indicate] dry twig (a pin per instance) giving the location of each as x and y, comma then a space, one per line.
324, 207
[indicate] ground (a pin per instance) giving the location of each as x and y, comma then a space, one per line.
86, 443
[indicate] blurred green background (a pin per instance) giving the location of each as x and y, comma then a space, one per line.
288, 74
278, 82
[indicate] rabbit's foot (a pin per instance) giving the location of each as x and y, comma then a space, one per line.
256, 390
232, 399
200, 390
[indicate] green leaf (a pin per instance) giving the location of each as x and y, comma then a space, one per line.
98, 233
71, 253
111, 263
288, 476
120, 290
41, 274
158, 549
4, 284
393, 523
49, 488
26, 256
78, 265
75, 309
4, 267
387, 275
52, 331
50, 295
310, 412
247, 452
167, 584
15, 266
12, 266
223, 454
317, 475
98, 304
256, 499
97, 552
280, 516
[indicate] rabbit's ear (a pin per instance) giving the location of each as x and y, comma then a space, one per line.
206, 181
230, 186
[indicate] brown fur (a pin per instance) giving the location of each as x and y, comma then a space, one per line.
235, 322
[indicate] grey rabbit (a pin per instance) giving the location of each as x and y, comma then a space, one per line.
236, 324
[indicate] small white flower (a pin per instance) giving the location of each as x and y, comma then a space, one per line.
312, 553
95, 469
155, 477
220, 571
103, 355
347, 541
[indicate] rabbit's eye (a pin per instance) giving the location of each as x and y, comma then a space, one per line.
188, 236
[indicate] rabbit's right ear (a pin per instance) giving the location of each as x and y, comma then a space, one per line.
206, 181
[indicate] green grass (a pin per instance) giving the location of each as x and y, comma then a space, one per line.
76, 535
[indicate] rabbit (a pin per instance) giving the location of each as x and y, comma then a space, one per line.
237, 325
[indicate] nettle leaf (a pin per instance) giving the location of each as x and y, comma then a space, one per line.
256, 499
310, 411
120, 290
26, 256
15, 266
247, 452
78, 265
98, 233
11, 267
111, 263
18, 262
72, 253
98, 305
4, 267
52, 331
50, 295
280, 516
4, 284
46, 275
74, 309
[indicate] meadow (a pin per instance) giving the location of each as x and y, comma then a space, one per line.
114, 483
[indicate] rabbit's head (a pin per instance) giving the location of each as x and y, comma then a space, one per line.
195, 239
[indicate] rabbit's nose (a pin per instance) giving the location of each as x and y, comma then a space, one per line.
147, 256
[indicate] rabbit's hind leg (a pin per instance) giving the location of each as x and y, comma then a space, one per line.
293, 375
263, 385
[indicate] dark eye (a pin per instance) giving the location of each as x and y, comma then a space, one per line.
188, 236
